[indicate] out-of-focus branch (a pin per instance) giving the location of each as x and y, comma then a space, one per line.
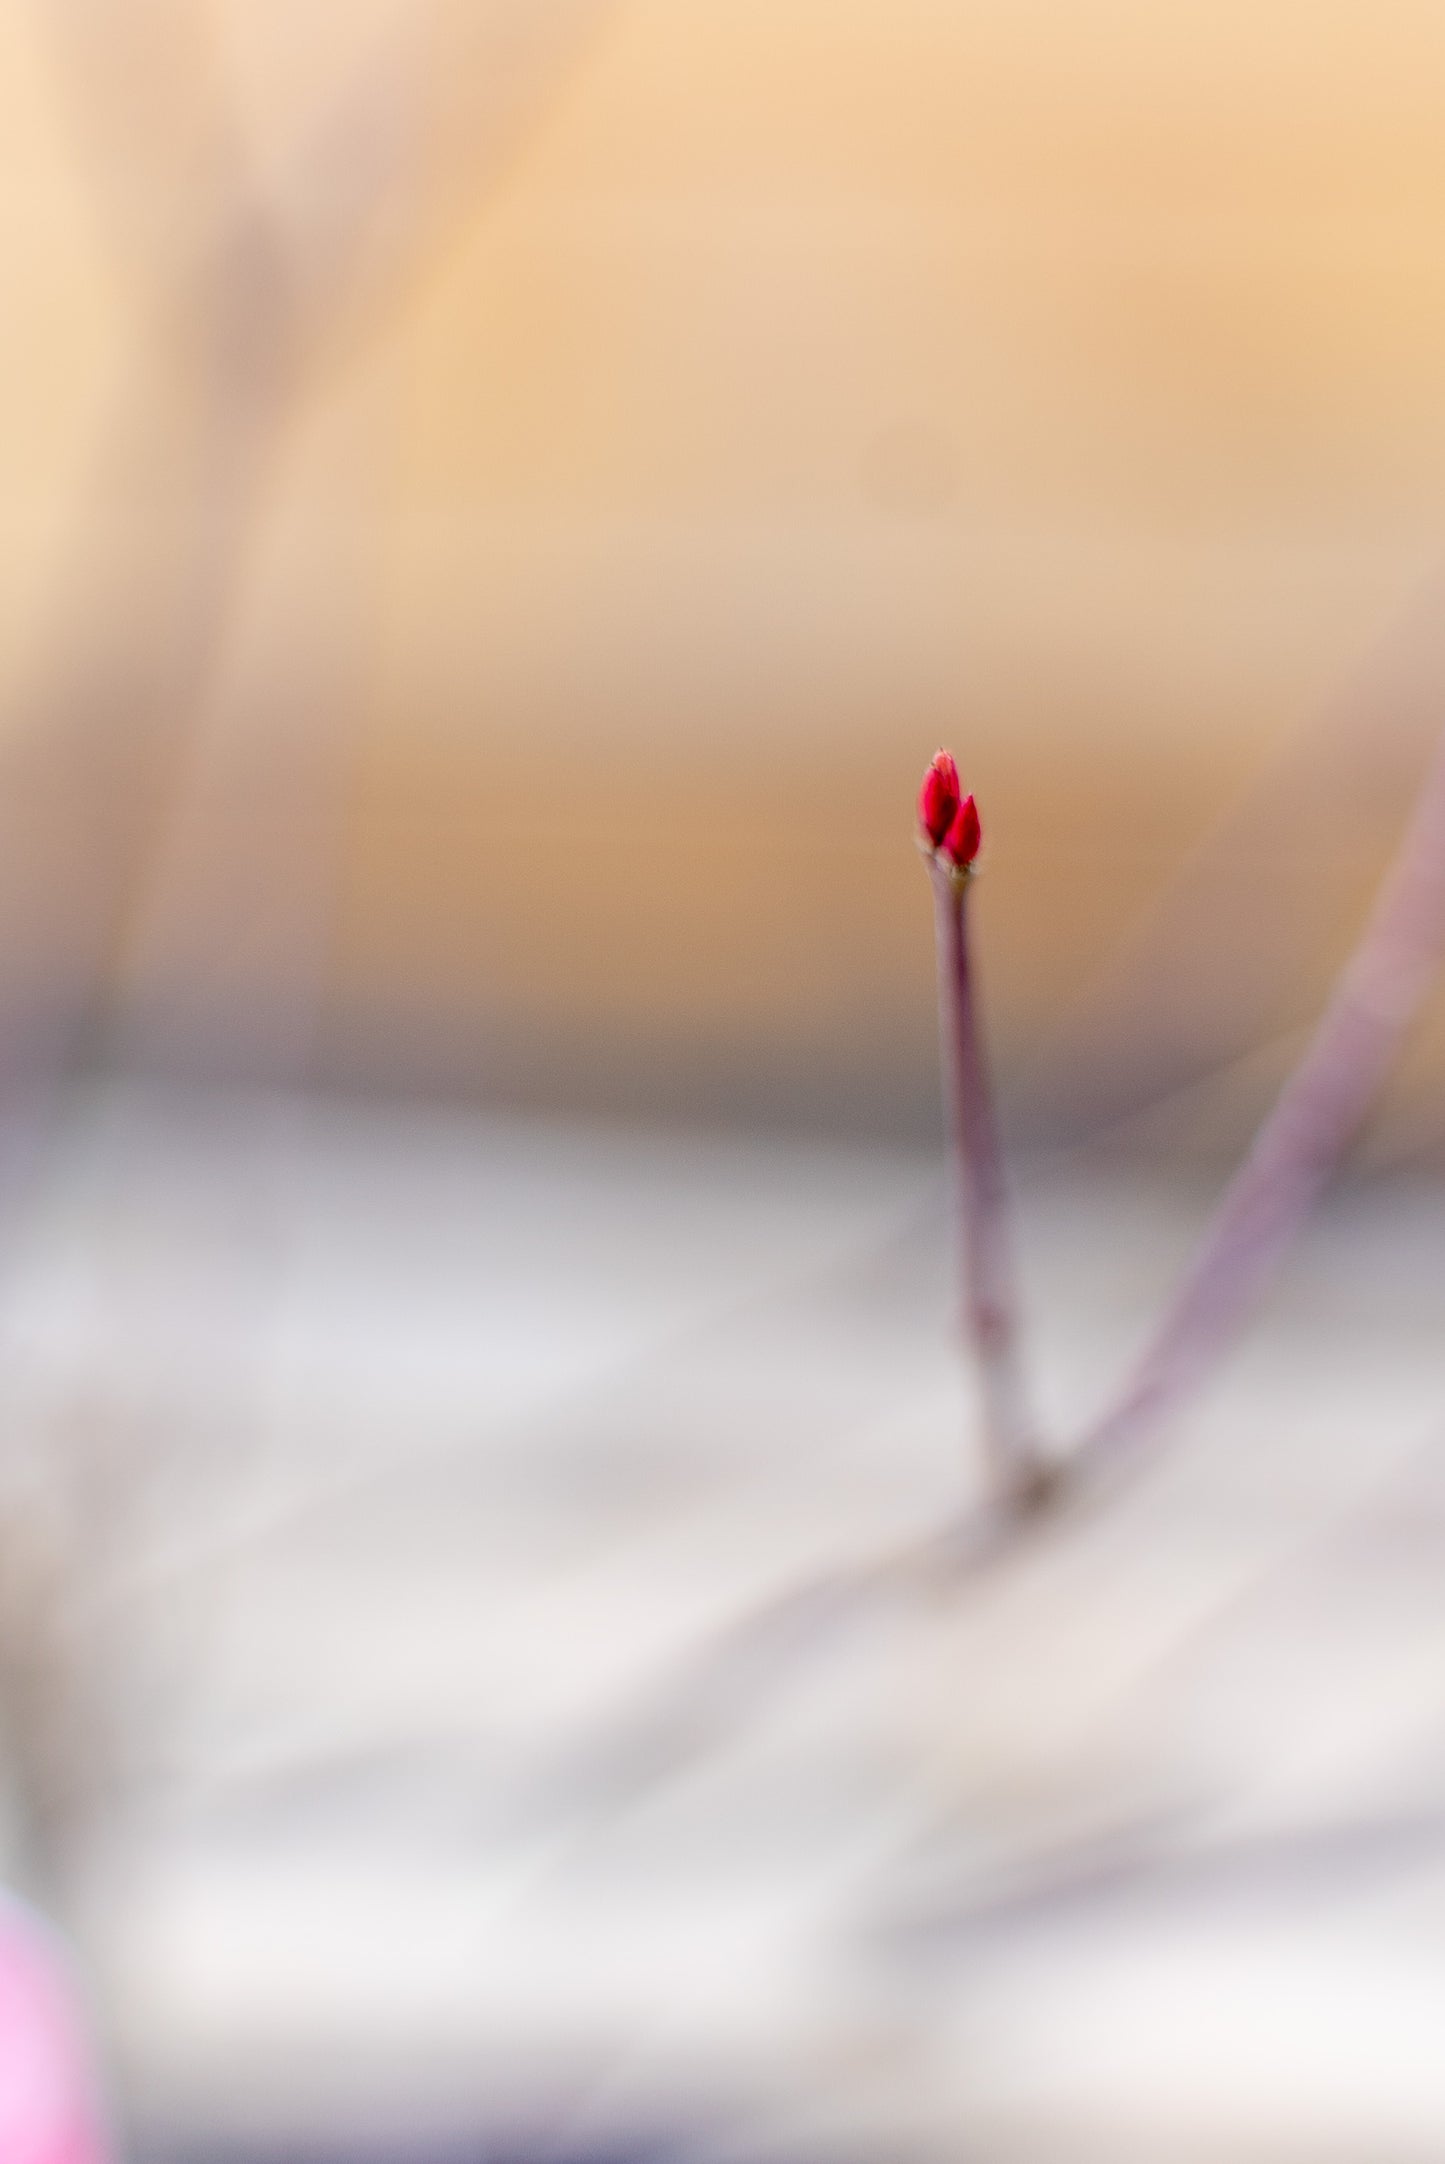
1314, 1118
1149, 1020
244, 287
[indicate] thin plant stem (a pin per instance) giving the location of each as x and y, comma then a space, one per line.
1312, 1121
1314, 1117
1016, 1469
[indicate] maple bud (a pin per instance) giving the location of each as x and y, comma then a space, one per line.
961, 843
938, 798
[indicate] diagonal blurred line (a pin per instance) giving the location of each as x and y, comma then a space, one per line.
292, 1514
485, 81
235, 315
1285, 1864
258, 299
1392, 969
1192, 987
125, 664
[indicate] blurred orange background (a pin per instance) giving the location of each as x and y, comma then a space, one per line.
498, 503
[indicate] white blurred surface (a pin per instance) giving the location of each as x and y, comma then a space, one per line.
408, 1474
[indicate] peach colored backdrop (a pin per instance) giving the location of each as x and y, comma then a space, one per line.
498, 502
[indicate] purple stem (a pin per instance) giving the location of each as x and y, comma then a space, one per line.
1015, 1467
1313, 1119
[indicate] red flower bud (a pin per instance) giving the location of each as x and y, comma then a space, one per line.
938, 798
961, 843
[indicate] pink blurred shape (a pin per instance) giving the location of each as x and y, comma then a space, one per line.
48, 2109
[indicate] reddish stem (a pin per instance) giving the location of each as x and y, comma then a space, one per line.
1016, 1468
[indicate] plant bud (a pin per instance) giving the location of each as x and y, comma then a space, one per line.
938, 798
961, 843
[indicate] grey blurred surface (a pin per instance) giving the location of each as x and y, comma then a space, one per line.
405, 1480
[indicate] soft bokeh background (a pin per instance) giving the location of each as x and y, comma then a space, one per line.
498, 501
